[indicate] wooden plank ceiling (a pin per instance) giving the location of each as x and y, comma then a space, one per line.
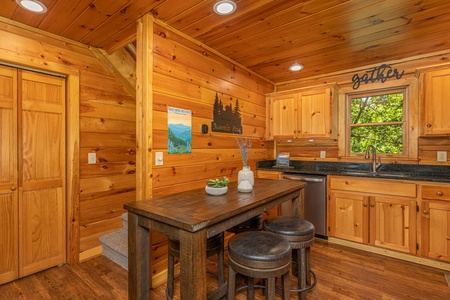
264, 35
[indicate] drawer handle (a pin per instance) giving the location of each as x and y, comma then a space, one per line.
440, 193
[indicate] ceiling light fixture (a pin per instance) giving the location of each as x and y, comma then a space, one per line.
32, 5
224, 7
296, 67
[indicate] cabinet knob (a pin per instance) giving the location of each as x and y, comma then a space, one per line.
13, 188
429, 125
426, 212
440, 193
365, 204
372, 205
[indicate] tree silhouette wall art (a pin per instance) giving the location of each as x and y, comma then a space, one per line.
226, 119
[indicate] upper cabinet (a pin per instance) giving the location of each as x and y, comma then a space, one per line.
435, 103
304, 113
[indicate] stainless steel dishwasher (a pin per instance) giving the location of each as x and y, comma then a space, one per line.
314, 201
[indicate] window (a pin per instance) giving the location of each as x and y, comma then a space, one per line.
377, 118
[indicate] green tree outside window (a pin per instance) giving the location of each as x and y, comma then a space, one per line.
377, 119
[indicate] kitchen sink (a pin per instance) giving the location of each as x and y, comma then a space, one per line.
378, 174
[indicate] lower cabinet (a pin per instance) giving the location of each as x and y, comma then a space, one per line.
435, 221
375, 212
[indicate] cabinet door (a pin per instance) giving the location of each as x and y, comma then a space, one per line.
283, 119
8, 176
436, 103
315, 113
349, 216
393, 223
435, 221
42, 211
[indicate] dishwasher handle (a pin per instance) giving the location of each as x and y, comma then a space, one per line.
303, 179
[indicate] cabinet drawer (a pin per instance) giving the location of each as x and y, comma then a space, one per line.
374, 186
269, 174
438, 192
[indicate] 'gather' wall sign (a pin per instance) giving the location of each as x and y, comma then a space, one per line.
381, 73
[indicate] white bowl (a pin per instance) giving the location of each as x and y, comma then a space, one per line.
216, 191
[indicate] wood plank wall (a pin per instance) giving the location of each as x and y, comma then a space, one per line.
427, 147
188, 76
107, 127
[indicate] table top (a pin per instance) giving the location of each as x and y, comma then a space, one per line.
194, 210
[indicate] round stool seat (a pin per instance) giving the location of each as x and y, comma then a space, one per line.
270, 250
292, 228
259, 254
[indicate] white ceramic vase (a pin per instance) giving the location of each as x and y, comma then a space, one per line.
246, 180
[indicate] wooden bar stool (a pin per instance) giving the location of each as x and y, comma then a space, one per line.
214, 246
259, 254
300, 234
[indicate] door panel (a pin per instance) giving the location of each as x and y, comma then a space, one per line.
8, 176
43, 237
42, 208
393, 223
436, 229
350, 216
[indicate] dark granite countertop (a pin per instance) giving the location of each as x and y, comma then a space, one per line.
389, 171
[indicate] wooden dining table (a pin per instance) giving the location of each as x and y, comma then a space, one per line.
191, 217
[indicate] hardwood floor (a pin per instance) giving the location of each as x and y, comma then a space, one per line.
342, 273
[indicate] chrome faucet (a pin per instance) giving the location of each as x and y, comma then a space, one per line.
375, 164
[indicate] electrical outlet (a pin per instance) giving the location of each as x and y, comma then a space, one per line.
442, 156
92, 158
158, 158
323, 154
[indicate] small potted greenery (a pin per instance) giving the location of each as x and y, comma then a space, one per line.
217, 186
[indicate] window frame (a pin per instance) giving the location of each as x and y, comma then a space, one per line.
375, 92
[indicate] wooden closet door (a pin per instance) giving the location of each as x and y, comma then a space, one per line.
42, 203
8, 175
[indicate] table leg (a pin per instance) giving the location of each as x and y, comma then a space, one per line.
193, 264
297, 205
138, 259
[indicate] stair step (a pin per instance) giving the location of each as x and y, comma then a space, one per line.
115, 244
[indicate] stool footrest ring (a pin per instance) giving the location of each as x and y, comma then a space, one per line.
279, 289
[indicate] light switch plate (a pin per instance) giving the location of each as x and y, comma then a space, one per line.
159, 158
92, 158
442, 156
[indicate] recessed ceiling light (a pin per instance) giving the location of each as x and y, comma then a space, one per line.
32, 5
296, 67
224, 7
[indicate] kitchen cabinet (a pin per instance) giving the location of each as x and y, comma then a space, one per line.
377, 212
435, 221
304, 113
435, 103
32, 168
275, 175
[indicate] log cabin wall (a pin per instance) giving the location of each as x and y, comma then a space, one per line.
188, 76
106, 127
424, 148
